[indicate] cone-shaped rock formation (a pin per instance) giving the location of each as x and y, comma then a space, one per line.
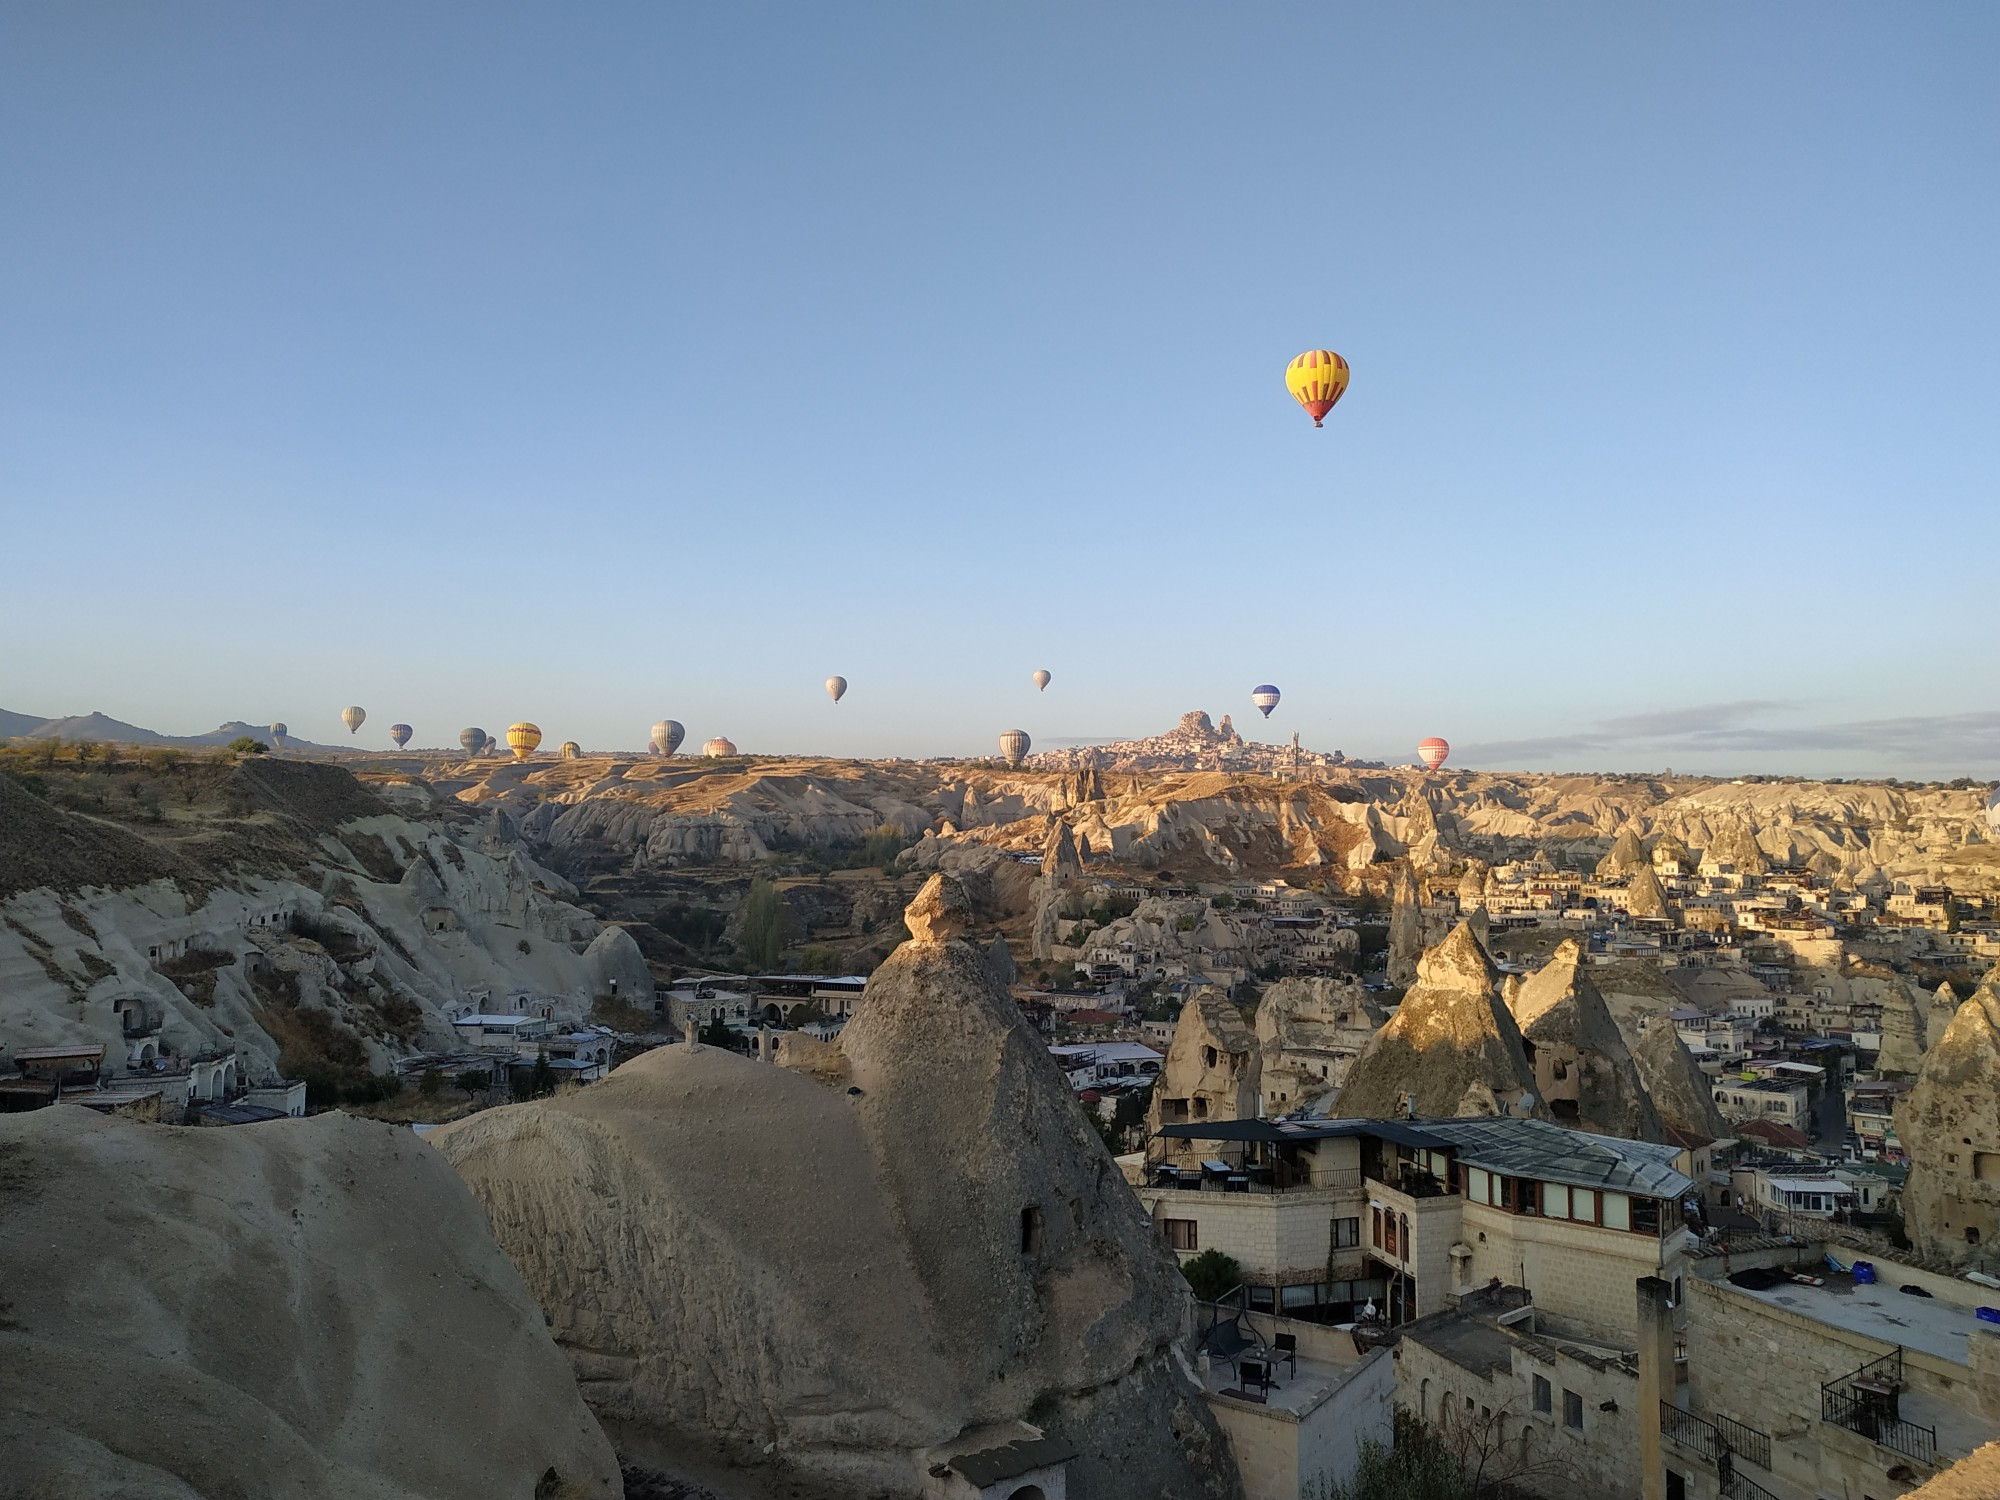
1452, 1047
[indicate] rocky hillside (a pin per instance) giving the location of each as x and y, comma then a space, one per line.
277, 909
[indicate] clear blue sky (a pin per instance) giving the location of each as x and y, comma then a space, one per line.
592, 364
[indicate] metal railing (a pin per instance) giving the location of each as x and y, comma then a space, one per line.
1742, 1487
1193, 1180
1699, 1437
1864, 1415
1745, 1442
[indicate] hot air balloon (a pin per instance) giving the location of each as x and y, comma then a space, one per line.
1014, 744
1317, 379
1042, 680
835, 687
472, 741
278, 733
571, 750
667, 736
1993, 811
353, 718
491, 747
718, 747
400, 733
1265, 697
522, 739
1433, 751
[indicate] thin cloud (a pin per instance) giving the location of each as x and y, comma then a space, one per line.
1676, 721
1718, 728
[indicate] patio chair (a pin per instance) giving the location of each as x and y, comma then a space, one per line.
1254, 1374
1285, 1346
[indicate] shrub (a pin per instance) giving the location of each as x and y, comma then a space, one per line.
243, 744
430, 1084
1211, 1274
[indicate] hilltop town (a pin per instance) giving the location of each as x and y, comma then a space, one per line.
1546, 1110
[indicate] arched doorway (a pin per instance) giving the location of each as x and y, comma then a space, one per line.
1028, 1492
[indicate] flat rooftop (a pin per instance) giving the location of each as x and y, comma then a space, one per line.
1298, 1394
1930, 1324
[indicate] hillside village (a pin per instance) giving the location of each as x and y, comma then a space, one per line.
1548, 1111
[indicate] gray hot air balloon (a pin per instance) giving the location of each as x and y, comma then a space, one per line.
1042, 680
1993, 811
667, 736
1014, 744
836, 687
472, 741
400, 733
353, 718
278, 733
571, 750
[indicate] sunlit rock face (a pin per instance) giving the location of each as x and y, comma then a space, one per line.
843, 1267
1949, 1124
1452, 1047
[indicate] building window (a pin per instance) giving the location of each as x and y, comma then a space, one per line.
1346, 1233
1544, 1395
1572, 1410
1181, 1234
1208, 1057
1646, 1215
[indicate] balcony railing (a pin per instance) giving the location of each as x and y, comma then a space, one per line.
1866, 1401
1697, 1436
1254, 1179
1863, 1414
1717, 1440
1746, 1442
1737, 1486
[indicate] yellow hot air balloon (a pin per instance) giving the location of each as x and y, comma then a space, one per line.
1317, 379
522, 739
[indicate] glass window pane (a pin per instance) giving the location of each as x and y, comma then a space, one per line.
1297, 1296
1617, 1211
1475, 1184
1583, 1204
1555, 1200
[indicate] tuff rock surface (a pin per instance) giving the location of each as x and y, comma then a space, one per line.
848, 1271
299, 1309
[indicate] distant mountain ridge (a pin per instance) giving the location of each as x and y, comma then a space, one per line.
102, 727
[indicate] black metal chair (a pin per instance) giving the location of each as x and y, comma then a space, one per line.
1285, 1346
1254, 1373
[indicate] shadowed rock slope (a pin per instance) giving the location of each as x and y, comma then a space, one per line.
1582, 1068
861, 1264
295, 1310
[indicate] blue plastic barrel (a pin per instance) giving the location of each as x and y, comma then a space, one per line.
1864, 1272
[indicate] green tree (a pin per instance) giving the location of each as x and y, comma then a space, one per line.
474, 1081
430, 1084
820, 958
714, 1033
763, 925
243, 744
1211, 1274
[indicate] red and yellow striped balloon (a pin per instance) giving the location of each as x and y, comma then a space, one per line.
1317, 379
